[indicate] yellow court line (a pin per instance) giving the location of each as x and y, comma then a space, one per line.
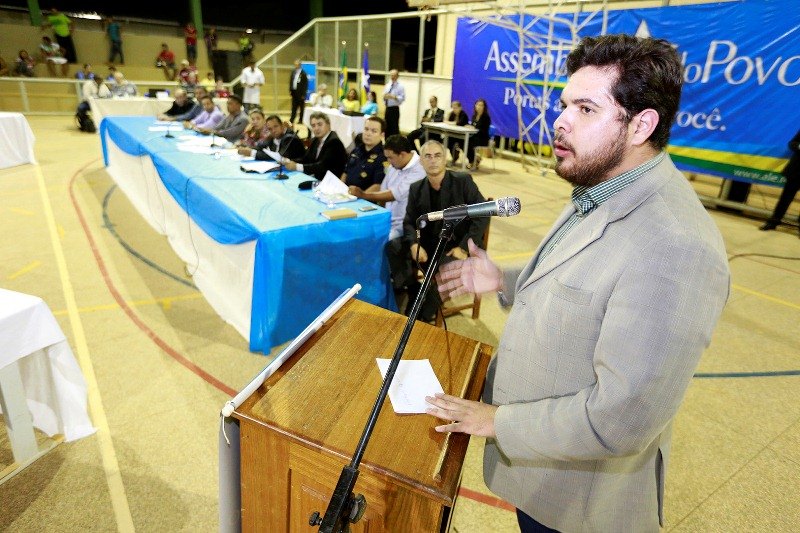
24, 270
765, 296
20, 211
119, 500
164, 302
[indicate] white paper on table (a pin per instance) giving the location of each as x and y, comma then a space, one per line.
273, 154
413, 381
166, 127
258, 166
332, 190
194, 149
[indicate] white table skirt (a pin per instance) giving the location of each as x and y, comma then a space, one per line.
16, 140
55, 390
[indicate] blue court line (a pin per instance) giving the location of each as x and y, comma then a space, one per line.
110, 227
776, 373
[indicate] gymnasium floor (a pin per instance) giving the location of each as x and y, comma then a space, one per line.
160, 363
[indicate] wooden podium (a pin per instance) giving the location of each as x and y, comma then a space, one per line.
301, 427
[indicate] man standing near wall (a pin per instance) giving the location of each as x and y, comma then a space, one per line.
62, 28
394, 94
298, 86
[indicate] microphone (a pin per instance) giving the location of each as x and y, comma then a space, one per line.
502, 207
281, 175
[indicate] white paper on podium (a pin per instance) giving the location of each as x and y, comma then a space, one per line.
413, 381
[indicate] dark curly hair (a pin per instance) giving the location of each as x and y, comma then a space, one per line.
649, 72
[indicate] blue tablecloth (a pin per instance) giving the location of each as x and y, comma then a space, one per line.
302, 260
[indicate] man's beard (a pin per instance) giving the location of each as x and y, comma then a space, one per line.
590, 169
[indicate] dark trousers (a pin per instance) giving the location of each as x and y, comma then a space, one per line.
529, 525
392, 117
419, 133
69, 48
116, 49
786, 198
298, 104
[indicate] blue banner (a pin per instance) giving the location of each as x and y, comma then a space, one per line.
741, 77
310, 68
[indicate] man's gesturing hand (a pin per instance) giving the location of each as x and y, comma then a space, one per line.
476, 274
466, 416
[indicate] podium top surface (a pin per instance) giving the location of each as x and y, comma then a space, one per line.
321, 397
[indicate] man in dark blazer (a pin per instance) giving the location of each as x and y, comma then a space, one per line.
432, 114
298, 86
325, 153
441, 189
792, 173
281, 140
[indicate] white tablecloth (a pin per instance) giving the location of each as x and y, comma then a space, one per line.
16, 140
140, 106
345, 126
54, 387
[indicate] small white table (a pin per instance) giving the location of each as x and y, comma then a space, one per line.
16, 140
41, 384
345, 126
451, 130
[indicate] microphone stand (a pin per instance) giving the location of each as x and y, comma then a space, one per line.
345, 507
214, 142
281, 175
169, 134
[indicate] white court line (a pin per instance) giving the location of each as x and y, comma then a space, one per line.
119, 500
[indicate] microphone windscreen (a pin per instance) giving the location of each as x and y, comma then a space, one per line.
305, 185
508, 206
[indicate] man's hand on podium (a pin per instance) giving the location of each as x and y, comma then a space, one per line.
473, 418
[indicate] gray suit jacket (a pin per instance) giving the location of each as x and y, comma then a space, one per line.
598, 350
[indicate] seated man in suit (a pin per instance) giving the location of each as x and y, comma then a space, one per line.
281, 140
432, 114
441, 189
366, 165
233, 125
180, 106
325, 153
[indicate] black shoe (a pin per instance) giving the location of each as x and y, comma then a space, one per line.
768, 226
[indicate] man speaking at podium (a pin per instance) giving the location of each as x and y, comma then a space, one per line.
611, 315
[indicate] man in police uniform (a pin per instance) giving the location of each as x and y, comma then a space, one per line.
367, 163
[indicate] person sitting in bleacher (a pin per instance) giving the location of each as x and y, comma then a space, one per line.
233, 125
23, 65
52, 54
85, 73
209, 118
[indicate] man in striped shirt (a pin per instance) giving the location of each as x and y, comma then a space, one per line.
609, 317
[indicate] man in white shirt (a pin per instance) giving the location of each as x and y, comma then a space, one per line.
321, 98
394, 94
405, 168
252, 80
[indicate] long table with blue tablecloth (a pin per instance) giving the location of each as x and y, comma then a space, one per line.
259, 249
